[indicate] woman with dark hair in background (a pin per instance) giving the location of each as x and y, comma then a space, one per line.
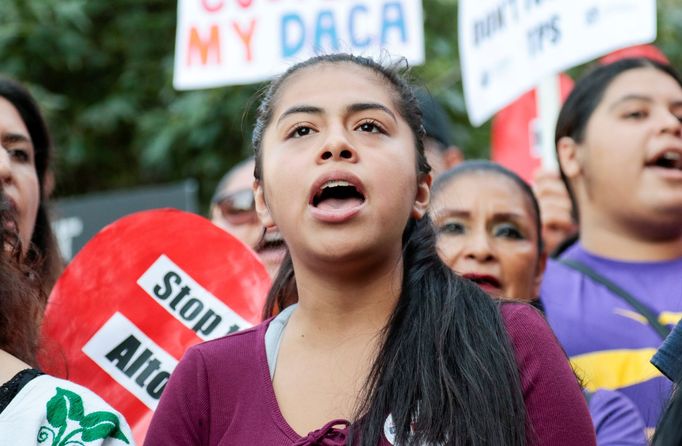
386, 345
613, 295
36, 408
489, 231
24, 171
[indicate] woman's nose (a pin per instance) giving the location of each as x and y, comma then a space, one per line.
337, 147
477, 247
671, 123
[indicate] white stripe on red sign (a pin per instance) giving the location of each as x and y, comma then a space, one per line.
190, 303
130, 357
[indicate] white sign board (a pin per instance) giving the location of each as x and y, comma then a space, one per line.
507, 46
227, 42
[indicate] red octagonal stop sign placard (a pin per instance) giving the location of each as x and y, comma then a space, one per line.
138, 295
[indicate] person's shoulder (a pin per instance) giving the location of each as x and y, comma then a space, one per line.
232, 340
66, 400
526, 326
616, 418
61, 387
557, 272
239, 345
519, 313
610, 401
561, 283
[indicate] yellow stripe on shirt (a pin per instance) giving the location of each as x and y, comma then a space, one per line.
613, 369
669, 318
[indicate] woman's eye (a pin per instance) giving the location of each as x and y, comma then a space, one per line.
19, 155
636, 114
300, 131
508, 231
371, 127
452, 228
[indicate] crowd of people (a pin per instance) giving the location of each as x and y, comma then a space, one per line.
417, 298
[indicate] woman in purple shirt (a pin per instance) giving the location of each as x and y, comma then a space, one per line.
386, 345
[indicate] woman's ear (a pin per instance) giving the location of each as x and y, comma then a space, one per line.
422, 197
567, 152
540, 272
261, 206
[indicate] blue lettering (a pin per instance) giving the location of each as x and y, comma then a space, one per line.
351, 22
289, 46
325, 27
392, 17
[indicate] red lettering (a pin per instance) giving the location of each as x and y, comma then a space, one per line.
212, 7
206, 49
246, 37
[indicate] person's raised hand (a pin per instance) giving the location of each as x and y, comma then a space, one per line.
555, 208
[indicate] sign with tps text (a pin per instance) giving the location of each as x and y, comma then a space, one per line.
228, 42
141, 292
508, 46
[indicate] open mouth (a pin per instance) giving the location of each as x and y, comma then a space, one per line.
8, 211
337, 194
484, 281
668, 159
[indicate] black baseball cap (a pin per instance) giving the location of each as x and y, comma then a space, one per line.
436, 121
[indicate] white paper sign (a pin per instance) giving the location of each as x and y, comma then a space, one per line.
130, 357
227, 42
187, 301
507, 46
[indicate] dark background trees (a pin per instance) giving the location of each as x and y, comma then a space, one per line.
102, 72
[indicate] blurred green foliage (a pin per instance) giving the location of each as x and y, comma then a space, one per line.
102, 72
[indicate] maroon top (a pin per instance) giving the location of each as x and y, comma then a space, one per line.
221, 393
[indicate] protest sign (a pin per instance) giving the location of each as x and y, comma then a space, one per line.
508, 46
516, 136
227, 42
138, 295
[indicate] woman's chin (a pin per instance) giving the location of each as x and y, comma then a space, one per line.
491, 289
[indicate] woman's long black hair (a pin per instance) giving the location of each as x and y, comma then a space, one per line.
21, 301
43, 253
446, 370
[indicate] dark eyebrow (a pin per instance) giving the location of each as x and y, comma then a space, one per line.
449, 212
300, 109
637, 97
509, 216
631, 97
9, 138
354, 108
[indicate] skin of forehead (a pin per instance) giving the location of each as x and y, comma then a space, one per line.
15, 120
372, 76
613, 92
480, 174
